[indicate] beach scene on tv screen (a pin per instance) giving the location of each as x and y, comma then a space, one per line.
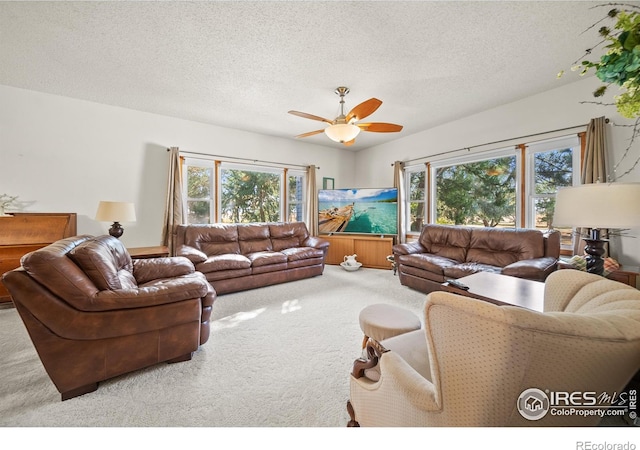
365, 210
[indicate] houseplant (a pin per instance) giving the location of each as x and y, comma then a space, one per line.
619, 65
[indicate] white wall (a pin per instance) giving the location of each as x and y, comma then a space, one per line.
556, 109
65, 155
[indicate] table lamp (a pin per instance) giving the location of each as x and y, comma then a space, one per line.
598, 206
116, 212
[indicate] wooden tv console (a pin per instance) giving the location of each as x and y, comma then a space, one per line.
372, 250
21, 233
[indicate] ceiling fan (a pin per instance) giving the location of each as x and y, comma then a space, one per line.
345, 128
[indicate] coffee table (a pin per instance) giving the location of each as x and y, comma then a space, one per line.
501, 290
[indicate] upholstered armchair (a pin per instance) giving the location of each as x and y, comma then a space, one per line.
94, 313
477, 364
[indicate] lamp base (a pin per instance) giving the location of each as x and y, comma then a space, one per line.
116, 230
595, 250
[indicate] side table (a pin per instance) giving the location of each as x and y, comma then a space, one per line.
158, 251
627, 275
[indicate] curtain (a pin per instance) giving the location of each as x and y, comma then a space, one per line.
398, 182
174, 210
312, 201
595, 167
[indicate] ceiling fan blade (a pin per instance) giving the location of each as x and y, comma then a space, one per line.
310, 133
351, 142
380, 127
310, 116
364, 109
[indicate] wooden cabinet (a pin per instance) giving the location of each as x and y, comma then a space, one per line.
372, 250
21, 233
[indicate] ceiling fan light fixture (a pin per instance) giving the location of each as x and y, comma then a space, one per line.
342, 132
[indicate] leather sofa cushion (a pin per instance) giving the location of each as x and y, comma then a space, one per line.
425, 261
106, 262
281, 267
299, 253
193, 254
227, 274
501, 247
254, 238
266, 258
287, 235
468, 268
214, 239
445, 241
224, 262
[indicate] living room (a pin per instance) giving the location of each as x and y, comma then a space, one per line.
66, 154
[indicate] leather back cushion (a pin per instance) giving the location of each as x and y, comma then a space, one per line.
447, 241
214, 239
503, 246
106, 262
254, 238
287, 235
51, 267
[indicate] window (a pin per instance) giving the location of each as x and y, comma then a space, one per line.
487, 189
199, 191
241, 193
480, 192
295, 196
415, 178
550, 166
250, 194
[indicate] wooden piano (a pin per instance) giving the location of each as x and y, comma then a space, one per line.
21, 233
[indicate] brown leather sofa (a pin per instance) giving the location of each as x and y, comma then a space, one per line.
237, 257
94, 313
447, 252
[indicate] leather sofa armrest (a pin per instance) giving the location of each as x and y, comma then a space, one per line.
191, 253
532, 269
186, 287
145, 270
408, 248
313, 241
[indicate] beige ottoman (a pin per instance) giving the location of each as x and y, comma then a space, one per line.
382, 321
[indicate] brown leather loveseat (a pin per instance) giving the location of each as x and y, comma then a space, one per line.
237, 257
94, 313
447, 252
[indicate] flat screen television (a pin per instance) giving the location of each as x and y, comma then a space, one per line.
361, 210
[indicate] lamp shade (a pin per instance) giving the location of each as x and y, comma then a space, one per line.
598, 205
342, 132
116, 212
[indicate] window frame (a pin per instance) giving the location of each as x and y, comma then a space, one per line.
408, 171
564, 142
215, 187
510, 151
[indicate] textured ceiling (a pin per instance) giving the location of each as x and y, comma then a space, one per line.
243, 64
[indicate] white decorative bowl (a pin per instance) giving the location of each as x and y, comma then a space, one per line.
351, 268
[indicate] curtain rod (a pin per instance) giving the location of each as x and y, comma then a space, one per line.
243, 159
498, 142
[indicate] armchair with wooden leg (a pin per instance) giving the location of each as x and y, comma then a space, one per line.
476, 364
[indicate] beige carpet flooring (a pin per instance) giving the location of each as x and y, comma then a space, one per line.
278, 356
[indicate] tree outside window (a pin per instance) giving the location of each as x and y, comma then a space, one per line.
199, 194
479, 193
417, 197
249, 196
